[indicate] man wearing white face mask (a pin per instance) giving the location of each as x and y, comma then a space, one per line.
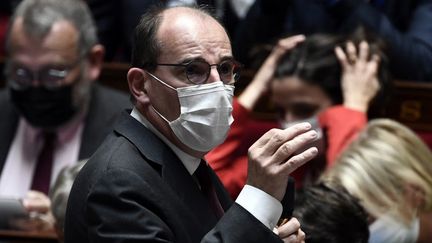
148, 181
205, 110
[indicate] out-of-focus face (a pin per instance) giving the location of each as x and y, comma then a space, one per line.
297, 99
58, 50
38, 69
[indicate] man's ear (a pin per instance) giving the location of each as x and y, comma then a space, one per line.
95, 60
136, 79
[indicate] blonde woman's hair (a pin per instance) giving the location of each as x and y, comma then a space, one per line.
380, 164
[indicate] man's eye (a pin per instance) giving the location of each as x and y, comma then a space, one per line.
55, 73
225, 68
194, 69
22, 72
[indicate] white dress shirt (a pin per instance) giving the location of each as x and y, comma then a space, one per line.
20, 164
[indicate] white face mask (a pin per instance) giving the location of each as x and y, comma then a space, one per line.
205, 114
389, 229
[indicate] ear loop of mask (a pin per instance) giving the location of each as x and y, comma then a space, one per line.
160, 81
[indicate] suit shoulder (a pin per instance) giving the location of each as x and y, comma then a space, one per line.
116, 152
4, 98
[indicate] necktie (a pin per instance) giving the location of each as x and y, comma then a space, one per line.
207, 188
42, 175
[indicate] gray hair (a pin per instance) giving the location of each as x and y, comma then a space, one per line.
40, 15
59, 192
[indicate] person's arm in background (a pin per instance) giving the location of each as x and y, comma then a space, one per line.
260, 83
342, 123
229, 160
410, 50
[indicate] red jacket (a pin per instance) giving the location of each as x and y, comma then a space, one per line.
229, 160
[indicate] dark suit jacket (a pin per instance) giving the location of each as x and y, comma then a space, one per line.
105, 107
135, 189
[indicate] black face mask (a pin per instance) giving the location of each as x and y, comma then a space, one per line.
43, 107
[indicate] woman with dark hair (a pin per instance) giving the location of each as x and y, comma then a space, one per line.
311, 80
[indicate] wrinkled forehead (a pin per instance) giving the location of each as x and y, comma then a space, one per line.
189, 33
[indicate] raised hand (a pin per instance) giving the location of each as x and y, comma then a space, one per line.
291, 232
359, 75
262, 78
273, 157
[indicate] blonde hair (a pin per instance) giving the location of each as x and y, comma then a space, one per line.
379, 165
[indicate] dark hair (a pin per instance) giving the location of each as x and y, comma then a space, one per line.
145, 49
314, 61
331, 215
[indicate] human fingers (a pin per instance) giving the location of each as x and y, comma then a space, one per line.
298, 160
281, 48
289, 228
37, 201
341, 56
273, 139
30, 224
266, 71
372, 73
373, 64
290, 42
301, 235
271, 176
362, 59
351, 52
363, 51
290, 239
278, 50
291, 146
295, 238
265, 171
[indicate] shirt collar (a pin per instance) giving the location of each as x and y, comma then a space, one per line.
190, 162
64, 134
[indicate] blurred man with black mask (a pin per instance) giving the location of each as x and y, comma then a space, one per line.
53, 112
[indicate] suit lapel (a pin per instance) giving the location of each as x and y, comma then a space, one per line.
172, 171
8, 126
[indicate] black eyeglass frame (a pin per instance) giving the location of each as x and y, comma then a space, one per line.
235, 75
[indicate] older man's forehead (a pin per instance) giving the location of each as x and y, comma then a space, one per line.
188, 35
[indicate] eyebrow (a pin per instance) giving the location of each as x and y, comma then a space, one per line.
188, 60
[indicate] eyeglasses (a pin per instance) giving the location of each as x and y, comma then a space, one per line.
21, 77
198, 71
